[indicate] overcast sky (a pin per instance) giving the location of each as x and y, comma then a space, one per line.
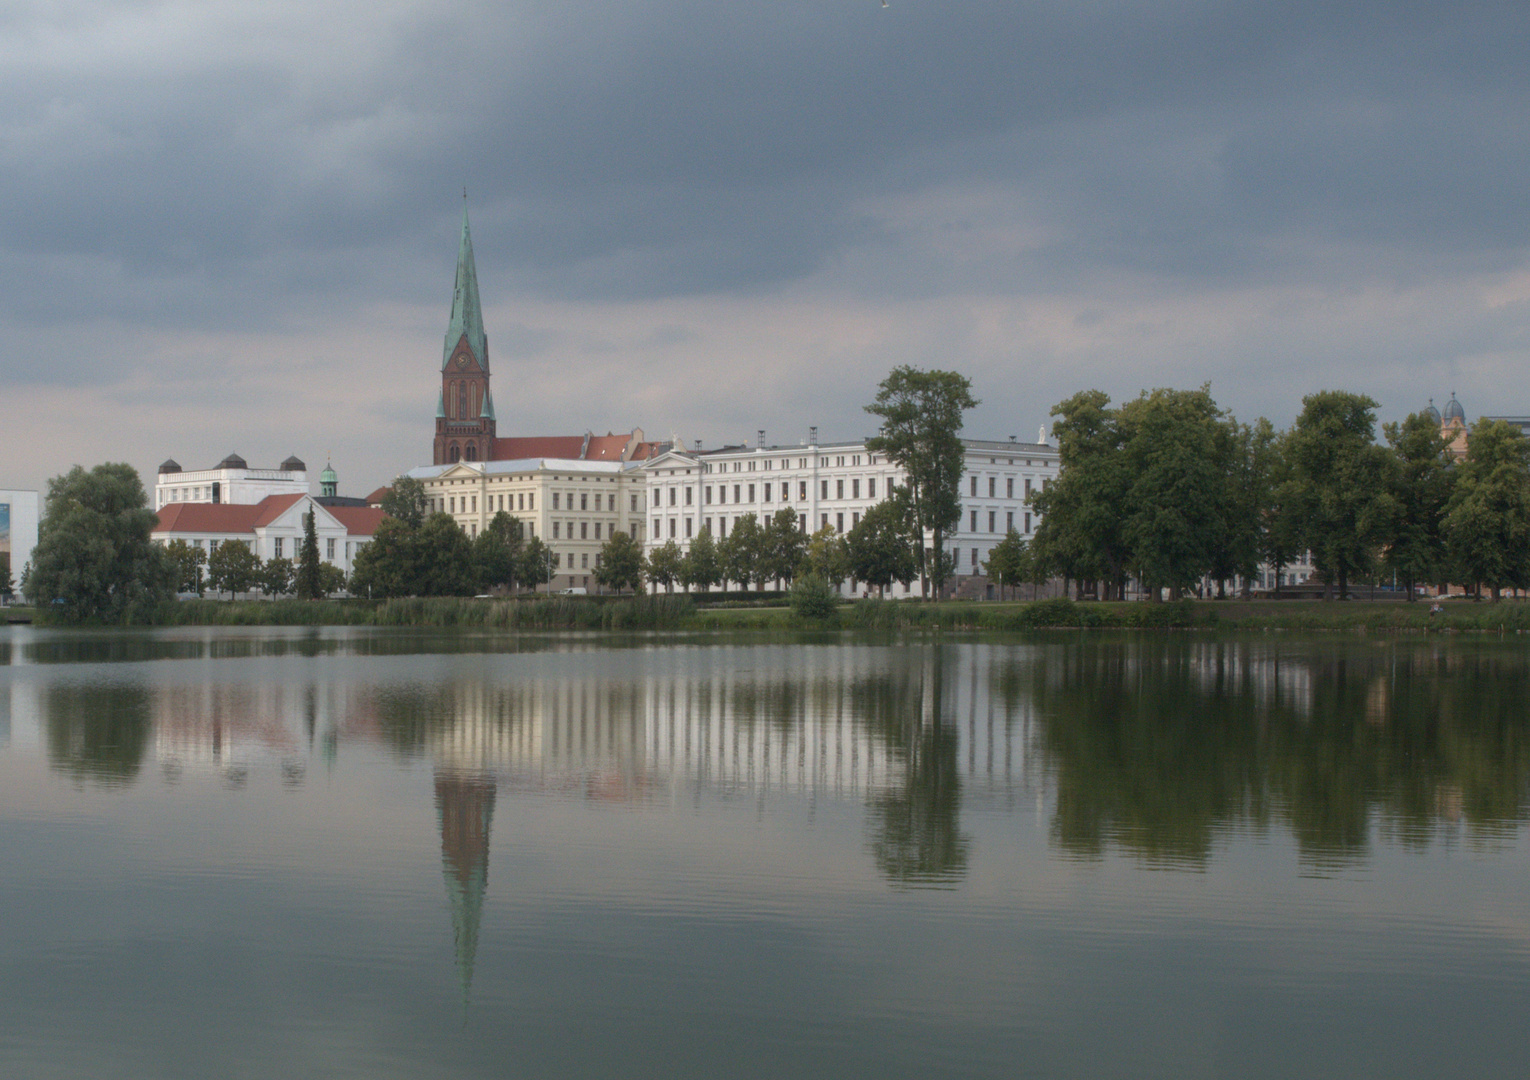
232, 226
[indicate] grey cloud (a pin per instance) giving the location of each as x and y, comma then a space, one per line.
245, 171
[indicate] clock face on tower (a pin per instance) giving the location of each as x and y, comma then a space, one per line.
462, 360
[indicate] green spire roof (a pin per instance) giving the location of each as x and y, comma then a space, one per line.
440, 404
328, 475
467, 316
487, 412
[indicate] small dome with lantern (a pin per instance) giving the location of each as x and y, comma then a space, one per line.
1453, 410
1432, 412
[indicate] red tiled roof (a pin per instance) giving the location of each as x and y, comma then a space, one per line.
376, 498
273, 507
538, 446
358, 520
208, 517
607, 447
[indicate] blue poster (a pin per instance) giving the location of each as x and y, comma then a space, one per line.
5, 528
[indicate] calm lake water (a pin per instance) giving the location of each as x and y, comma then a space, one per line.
335, 853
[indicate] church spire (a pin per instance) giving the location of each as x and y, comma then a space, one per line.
467, 316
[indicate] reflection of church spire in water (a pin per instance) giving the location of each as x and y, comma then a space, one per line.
465, 803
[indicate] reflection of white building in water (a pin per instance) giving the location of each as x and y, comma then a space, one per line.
751, 719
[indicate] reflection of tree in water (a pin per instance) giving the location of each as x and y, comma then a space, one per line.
98, 733
465, 806
1157, 746
918, 838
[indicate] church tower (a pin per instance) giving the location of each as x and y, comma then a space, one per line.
465, 411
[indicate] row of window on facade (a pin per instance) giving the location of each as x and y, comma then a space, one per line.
743, 493
1009, 487
279, 547
764, 464
585, 529
524, 500
823, 523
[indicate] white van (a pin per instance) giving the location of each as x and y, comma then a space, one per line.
576, 591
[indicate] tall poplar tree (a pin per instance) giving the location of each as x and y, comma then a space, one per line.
922, 415
1423, 483
309, 587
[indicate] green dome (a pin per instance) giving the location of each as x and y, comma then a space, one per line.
328, 476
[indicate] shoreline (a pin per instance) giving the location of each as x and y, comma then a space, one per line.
680, 611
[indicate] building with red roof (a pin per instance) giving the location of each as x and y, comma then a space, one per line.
272, 528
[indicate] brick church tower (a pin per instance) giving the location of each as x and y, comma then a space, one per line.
465, 411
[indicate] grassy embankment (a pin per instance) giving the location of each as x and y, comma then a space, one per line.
680, 612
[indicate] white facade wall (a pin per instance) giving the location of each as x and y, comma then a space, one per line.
238, 486
573, 506
834, 485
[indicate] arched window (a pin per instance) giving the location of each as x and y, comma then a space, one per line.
474, 406
456, 454
462, 413
471, 453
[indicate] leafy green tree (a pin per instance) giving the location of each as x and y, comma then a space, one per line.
497, 552
828, 556
1341, 484
1253, 469
275, 576
878, 546
405, 501
445, 558
662, 566
307, 578
1008, 564
536, 563
620, 565
189, 561
921, 413
700, 569
1487, 520
94, 559
232, 567
1081, 532
385, 567
6, 587
783, 545
742, 553
1424, 479
1282, 535
1176, 508
331, 579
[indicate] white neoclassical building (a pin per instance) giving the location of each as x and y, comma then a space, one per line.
834, 484
272, 528
574, 505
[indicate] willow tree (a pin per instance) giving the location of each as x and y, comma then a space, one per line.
94, 559
922, 414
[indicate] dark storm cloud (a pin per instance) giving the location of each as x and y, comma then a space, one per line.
201, 165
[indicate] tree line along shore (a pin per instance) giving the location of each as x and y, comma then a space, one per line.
681, 612
1167, 491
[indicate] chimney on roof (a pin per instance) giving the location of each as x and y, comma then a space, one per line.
1011, 438
762, 438
698, 445
812, 436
